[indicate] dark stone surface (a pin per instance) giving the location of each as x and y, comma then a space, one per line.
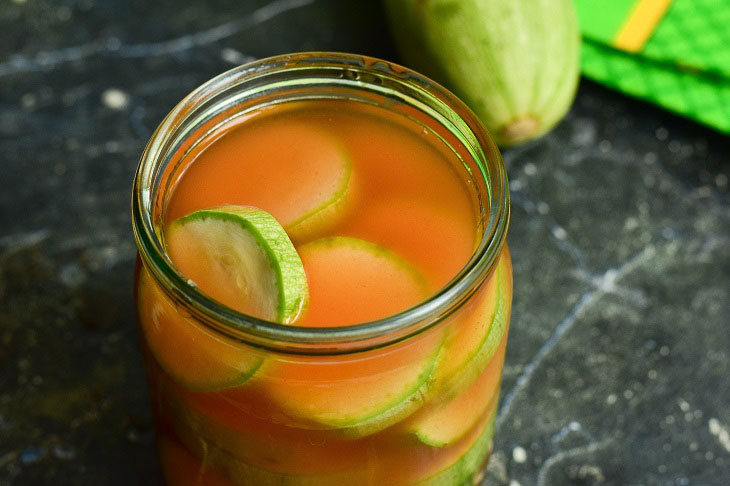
619, 351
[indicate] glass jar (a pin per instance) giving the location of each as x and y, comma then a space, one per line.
407, 399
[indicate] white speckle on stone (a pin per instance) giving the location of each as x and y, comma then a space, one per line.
115, 99
63, 13
662, 468
709, 455
556, 393
514, 482
519, 455
530, 169
668, 233
652, 374
112, 146
628, 394
584, 132
63, 452
684, 405
560, 233
543, 207
650, 157
515, 185
662, 133
72, 275
664, 350
720, 432
611, 399
28, 100
604, 146
669, 419
721, 180
631, 223
693, 446
232, 56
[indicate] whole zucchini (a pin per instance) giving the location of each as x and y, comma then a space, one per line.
514, 62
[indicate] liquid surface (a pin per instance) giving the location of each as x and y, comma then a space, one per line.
342, 168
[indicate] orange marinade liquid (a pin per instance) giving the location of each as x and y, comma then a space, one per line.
405, 191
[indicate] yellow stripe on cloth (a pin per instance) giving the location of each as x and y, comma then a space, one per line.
640, 24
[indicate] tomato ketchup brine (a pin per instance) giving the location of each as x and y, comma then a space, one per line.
323, 290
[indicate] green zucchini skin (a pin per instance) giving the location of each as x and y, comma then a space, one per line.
514, 62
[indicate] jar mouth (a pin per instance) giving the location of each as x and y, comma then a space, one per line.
321, 69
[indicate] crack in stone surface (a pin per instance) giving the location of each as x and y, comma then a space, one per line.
571, 453
50, 59
607, 284
572, 428
19, 241
604, 285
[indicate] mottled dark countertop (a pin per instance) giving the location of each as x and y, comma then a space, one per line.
619, 354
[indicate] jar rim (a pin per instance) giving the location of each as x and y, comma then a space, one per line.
325, 340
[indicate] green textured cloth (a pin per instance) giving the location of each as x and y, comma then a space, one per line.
683, 64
